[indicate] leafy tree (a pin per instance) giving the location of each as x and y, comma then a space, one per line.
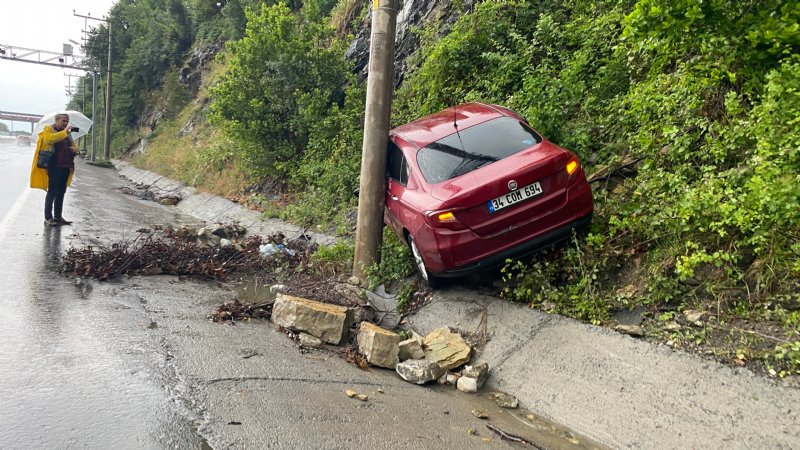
282, 77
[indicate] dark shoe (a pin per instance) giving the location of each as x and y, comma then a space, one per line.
63, 221
52, 223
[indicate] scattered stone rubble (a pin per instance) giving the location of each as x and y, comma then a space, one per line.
330, 323
381, 347
418, 359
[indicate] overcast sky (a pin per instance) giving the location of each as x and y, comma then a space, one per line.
41, 25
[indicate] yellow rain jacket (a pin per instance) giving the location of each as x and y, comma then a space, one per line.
47, 138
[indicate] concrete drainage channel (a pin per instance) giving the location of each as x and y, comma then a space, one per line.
211, 208
320, 327
614, 389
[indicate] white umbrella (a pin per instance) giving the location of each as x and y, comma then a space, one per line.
76, 119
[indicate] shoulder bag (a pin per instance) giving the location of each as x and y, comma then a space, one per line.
45, 155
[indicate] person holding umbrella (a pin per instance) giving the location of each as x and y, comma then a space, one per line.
58, 174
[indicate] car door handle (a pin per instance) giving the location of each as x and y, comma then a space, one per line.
394, 197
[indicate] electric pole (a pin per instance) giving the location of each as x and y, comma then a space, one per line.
107, 118
371, 198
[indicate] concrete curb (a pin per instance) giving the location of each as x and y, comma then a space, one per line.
212, 208
614, 389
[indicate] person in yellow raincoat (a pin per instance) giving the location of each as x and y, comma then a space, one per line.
60, 167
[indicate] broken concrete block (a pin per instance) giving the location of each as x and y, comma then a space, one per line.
219, 230
633, 330
169, 201
327, 322
504, 400
419, 371
446, 348
411, 349
353, 294
479, 373
308, 341
378, 345
467, 384
385, 306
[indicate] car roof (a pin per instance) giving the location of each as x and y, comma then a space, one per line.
433, 127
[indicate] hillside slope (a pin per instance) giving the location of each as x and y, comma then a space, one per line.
684, 111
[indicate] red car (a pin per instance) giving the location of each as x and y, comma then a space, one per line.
473, 185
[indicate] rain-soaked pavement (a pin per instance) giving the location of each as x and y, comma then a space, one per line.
135, 363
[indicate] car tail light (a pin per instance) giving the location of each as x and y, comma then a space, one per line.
572, 165
443, 219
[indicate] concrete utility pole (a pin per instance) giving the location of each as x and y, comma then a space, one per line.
369, 224
107, 121
94, 114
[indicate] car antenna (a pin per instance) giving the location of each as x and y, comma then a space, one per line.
455, 125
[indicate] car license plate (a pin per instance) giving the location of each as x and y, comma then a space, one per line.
513, 197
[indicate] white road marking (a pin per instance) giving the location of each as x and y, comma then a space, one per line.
5, 222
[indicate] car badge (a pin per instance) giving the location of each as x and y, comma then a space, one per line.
512, 185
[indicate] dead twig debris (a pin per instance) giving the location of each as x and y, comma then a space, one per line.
512, 437
354, 357
234, 310
165, 250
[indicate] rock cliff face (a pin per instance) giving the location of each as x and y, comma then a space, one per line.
411, 14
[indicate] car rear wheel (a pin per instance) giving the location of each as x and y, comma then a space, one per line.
430, 280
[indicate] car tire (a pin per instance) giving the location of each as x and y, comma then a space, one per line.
431, 281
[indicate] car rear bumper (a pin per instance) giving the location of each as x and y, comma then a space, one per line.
453, 253
526, 248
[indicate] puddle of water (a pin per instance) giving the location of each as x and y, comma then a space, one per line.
254, 290
519, 422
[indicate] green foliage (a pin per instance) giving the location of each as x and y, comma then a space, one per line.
786, 355
336, 258
396, 263
171, 98
567, 285
282, 78
328, 172
221, 20
705, 93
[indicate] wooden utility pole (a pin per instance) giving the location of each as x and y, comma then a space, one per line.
369, 224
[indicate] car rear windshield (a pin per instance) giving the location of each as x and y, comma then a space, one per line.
473, 148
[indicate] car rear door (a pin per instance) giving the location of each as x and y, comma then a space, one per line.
396, 185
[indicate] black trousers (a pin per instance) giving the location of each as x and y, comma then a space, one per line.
56, 188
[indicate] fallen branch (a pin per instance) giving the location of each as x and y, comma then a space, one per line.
754, 333
512, 437
607, 172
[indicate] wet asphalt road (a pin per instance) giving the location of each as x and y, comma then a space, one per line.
73, 372
135, 363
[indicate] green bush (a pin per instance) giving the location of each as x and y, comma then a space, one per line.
283, 77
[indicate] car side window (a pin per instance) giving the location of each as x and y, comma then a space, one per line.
396, 165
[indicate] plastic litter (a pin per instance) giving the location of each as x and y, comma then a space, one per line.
267, 250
